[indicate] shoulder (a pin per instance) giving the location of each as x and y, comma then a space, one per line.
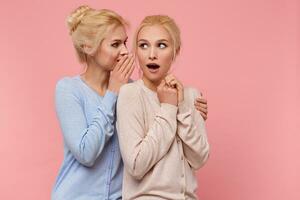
129, 92
130, 89
67, 85
65, 82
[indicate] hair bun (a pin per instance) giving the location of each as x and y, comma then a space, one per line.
76, 16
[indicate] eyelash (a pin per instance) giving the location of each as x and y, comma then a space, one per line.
142, 45
117, 44
162, 44
159, 45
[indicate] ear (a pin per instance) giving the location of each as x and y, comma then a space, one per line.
176, 54
87, 49
177, 51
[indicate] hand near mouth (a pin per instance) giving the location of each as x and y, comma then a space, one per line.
121, 73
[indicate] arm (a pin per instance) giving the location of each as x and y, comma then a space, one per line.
141, 149
191, 130
85, 141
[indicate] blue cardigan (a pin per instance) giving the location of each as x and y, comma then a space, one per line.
92, 167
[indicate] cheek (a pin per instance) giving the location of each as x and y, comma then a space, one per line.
109, 56
167, 59
141, 57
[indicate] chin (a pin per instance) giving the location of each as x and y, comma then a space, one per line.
109, 68
154, 78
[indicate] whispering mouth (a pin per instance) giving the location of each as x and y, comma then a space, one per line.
153, 66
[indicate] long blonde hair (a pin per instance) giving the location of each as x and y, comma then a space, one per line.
88, 27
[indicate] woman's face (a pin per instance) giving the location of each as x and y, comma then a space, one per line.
112, 48
154, 52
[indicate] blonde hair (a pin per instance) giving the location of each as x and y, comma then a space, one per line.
88, 27
165, 21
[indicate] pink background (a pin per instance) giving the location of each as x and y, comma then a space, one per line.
244, 55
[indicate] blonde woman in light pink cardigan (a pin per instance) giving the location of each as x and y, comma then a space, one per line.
162, 136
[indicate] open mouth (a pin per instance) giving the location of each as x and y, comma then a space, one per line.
152, 66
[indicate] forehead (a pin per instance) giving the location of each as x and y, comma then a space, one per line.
116, 33
154, 33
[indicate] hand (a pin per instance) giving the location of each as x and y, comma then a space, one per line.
173, 82
121, 73
167, 94
201, 106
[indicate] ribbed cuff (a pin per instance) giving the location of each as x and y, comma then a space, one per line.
169, 108
183, 108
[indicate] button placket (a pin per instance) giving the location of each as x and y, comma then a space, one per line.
182, 176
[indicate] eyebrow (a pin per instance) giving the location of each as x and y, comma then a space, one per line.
119, 40
161, 40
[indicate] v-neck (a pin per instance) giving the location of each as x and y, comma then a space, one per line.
88, 86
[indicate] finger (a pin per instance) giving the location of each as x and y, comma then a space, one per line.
201, 100
204, 116
173, 78
169, 78
201, 109
173, 83
129, 66
121, 61
201, 105
177, 84
130, 71
125, 63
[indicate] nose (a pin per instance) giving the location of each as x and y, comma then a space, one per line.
152, 54
124, 51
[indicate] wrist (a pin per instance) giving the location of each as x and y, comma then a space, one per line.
170, 103
113, 89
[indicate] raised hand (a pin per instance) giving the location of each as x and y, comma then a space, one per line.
173, 82
167, 94
121, 73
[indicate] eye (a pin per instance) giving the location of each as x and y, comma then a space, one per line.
116, 44
143, 45
162, 45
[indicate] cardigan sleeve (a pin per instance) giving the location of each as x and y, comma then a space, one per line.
191, 130
141, 149
85, 141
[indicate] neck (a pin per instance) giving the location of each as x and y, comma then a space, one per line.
151, 85
97, 78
